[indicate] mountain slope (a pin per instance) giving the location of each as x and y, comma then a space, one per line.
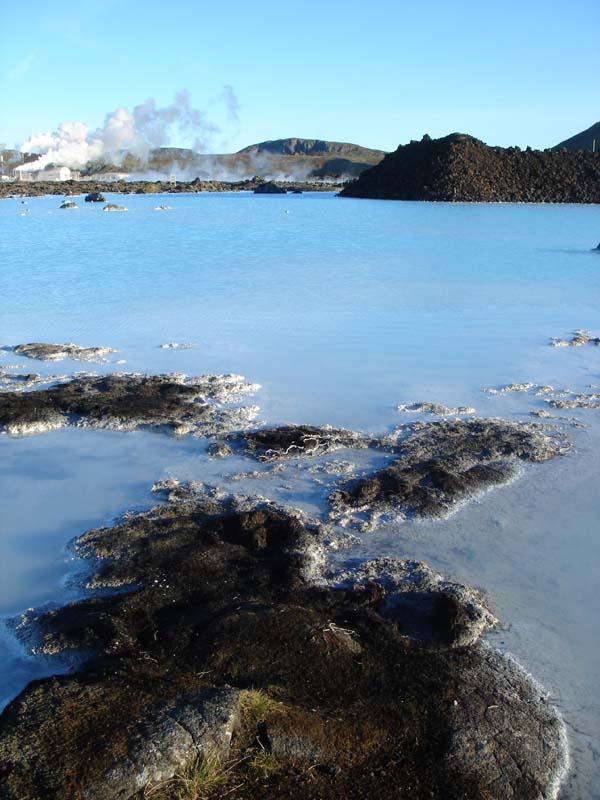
583, 140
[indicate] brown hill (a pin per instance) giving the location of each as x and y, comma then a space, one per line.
461, 168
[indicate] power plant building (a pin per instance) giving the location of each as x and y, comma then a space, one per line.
24, 172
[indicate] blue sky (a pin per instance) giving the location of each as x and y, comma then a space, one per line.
377, 73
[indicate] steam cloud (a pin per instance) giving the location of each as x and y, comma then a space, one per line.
137, 132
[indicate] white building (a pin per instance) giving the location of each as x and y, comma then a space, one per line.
108, 177
24, 172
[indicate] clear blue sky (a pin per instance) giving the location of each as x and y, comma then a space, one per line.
377, 73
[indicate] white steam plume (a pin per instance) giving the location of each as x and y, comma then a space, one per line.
136, 131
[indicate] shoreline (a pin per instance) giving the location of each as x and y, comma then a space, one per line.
25, 189
229, 585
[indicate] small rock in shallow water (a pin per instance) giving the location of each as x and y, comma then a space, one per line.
177, 346
219, 450
288, 441
576, 401
44, 351
579, 338
437, 409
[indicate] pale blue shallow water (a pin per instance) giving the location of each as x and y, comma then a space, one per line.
340, 309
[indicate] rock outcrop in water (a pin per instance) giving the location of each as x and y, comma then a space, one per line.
461, 168
376, 688
95, 197
268, 187
436, 409
287, 441
441, 464
44, 351
578, 339
125, 402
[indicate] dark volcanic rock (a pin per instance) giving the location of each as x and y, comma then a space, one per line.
268, 187
221, 596
340, 169
126, 402
461, 168
287, 441
43, 188
95, 197
442, 463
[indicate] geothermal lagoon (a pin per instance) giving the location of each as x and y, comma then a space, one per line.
355, 314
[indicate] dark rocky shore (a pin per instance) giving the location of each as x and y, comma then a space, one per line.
225, 647
441, 464
125, 402
216, 645
83, 187
463, 169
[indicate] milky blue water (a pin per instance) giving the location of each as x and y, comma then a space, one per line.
340, 309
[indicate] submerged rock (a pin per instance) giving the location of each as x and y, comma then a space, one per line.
441, 464
114, 207
126, 402
574, 400
437, 409
44, 351
68, 204
377, 684
177, 346
579, 338
287, 441
219, 450
538, 389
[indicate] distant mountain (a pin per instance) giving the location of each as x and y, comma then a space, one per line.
281, 159
461, 168
316, 148
583, 140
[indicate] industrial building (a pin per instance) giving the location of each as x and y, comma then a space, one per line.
25, 172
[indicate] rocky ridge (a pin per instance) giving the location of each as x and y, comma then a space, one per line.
460, 168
